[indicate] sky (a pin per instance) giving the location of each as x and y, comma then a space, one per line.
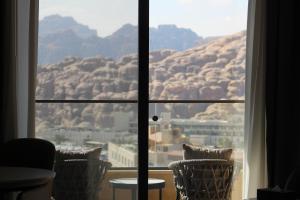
205, 17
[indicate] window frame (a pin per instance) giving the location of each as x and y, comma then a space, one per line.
142, 101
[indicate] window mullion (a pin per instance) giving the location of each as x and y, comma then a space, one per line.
143, 98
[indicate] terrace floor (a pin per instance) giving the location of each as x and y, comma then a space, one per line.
168, 192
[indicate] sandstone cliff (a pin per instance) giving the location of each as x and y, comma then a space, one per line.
211, 71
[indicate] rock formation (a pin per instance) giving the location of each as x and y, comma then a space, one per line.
211, 71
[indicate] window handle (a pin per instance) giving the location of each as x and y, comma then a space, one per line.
155, 118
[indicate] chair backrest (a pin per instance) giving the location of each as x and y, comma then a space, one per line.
203, 179
79, 179
28, 152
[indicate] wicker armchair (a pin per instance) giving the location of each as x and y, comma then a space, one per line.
203, 179
79, 179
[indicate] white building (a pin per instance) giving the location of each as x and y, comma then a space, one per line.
122, 155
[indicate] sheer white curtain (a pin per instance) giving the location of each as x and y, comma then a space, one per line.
255, 169
27, 19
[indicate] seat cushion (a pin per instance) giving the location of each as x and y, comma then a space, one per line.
197, 152
89, 154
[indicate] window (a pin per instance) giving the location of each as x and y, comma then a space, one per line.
196, 76
88, 77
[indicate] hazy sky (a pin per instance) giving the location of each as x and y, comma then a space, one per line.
205, 17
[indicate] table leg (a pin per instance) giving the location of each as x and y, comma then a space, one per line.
160, 194
133, 194
114, 195
177, 195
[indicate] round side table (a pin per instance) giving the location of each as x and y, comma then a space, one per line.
131, 184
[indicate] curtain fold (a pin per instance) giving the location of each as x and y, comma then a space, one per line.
33, 53
255, 173
8, 94
26, 65
22, 65
18, 68
282, 86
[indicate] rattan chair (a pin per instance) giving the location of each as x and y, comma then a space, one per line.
79, 179
203, 179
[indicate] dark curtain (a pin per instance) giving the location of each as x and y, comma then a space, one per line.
8, 113
282, 89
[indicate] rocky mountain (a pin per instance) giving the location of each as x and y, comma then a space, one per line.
60, 37
56, 23
215, 70
172, 37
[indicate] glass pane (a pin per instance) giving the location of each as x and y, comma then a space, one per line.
113, 127
86, 51
216, 124
77, 129
197, 52
210, 126
197, 49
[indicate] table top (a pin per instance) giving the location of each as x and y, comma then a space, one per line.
20, 178
130, 183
